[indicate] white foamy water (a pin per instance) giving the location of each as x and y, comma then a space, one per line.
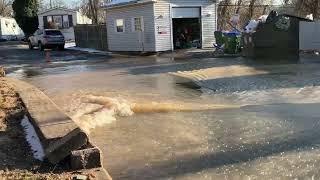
91, 111
96, 111
33, 139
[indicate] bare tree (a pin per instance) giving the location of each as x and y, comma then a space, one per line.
239, 4
5, 7
49, 4
223, 13
247, 9
251, 8
94, 5
93, 9
305, 7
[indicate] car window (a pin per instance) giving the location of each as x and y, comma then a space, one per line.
53, 33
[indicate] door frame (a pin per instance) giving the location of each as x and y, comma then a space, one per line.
171, 21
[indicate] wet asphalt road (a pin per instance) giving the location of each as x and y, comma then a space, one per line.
274, 135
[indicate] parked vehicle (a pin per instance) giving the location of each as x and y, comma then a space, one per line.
47, 38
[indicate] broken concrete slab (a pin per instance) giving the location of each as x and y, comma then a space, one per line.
61, 148
87, 158
58, 133
44, 113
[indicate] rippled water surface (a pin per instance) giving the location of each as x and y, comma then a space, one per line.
267, 128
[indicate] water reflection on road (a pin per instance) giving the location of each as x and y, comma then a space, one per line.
273, 135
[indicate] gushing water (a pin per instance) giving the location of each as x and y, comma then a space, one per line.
96, 111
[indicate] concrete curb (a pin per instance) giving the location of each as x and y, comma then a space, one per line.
59, 135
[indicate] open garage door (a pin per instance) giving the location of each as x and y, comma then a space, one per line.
186, 27
186, 12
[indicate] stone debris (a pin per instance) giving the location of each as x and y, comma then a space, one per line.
2, 72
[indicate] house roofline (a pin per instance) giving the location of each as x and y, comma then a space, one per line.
57, 8
130, 3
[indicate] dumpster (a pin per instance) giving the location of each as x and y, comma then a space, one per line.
277, 38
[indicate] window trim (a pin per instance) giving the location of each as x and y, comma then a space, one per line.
116, 26
133, 24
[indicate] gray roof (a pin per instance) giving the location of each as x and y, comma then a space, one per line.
57, 8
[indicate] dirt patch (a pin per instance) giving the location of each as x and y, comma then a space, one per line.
16, 159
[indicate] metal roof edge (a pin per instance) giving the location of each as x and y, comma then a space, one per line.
131, 3
57, 8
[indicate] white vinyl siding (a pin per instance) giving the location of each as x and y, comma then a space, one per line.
131, 40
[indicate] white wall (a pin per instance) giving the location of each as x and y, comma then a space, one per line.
77, 18
309, 35
9, 29
130, 40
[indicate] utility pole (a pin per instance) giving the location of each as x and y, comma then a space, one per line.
50, 4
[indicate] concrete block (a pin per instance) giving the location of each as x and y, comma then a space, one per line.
86, 158
59, 149
80, 177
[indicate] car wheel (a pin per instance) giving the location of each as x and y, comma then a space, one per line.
41, 47
30, 45
61, 47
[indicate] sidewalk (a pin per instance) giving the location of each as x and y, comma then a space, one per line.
72, 46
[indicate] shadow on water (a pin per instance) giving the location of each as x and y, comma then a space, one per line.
196, 64
188, 65
260, 82
307, 136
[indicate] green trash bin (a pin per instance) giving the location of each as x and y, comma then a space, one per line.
232, 43
219, 39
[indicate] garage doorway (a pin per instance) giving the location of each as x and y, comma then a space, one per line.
186, 27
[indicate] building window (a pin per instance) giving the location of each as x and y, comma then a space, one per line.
120, 25
49, 19
57, 21
65, 21
138, 24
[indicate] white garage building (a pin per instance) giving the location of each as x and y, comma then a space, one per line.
156, 25
9, 29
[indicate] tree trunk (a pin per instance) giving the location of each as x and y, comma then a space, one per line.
223, 14
239, 6
251, 8
265, 10
315, 10
93, 10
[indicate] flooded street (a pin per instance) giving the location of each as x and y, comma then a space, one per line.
245, 120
